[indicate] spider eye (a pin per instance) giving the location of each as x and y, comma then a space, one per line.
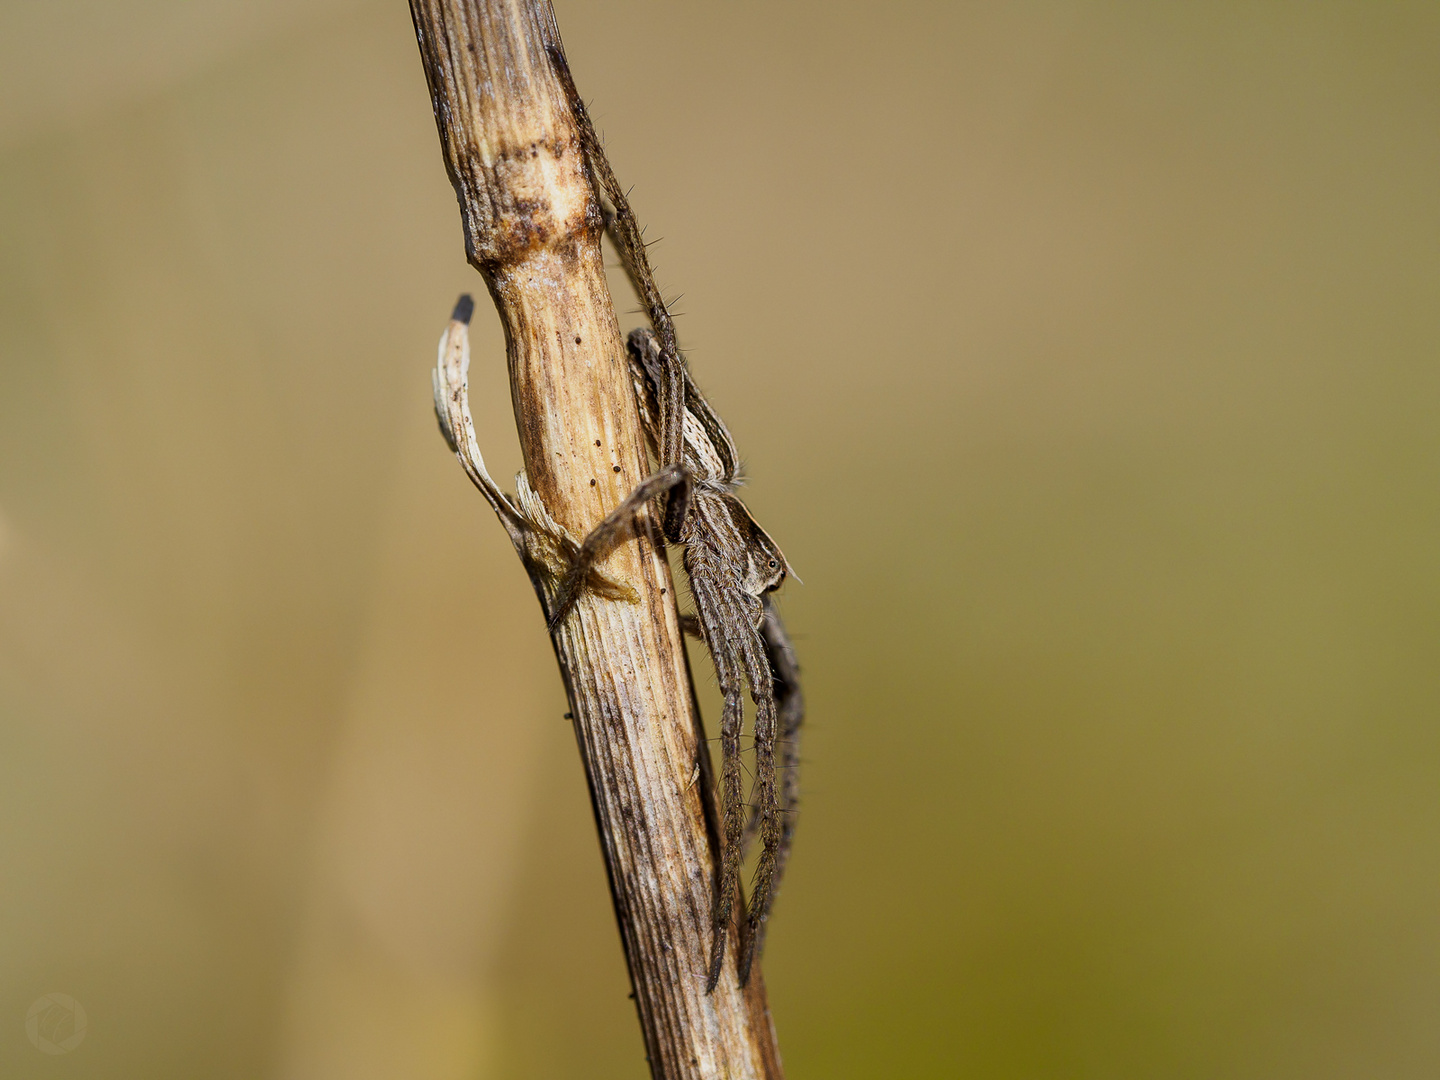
774, 563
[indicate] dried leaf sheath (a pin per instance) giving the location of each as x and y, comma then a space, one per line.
532, 228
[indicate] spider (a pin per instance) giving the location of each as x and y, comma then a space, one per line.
732, 565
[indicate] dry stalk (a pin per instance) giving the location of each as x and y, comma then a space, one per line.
532, 228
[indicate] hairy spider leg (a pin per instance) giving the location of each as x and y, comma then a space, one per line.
604, 535
625, 231
790, 704
790, 707
718, 522
673, 477
762, 692
722, 609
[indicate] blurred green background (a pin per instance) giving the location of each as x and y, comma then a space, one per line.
1086, 358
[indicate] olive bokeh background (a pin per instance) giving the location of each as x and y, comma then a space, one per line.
1086, 358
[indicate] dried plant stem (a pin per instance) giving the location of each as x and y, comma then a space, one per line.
532, 228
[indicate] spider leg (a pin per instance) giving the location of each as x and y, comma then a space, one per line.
790, 704
767, 805
717, 618
604, 534
624, 230
732, 716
